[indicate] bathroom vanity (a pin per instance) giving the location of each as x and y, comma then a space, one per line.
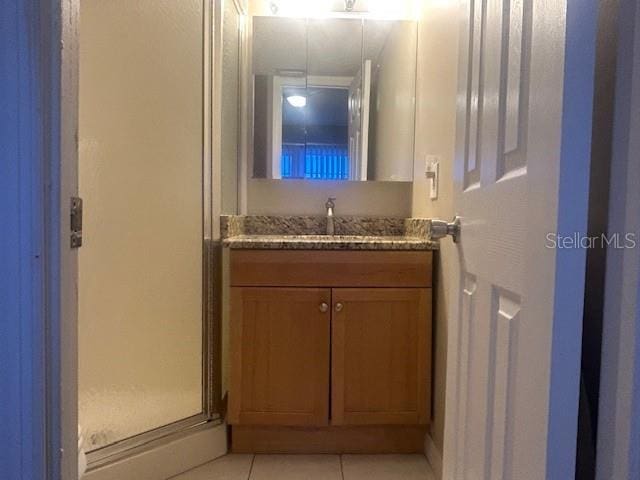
330, 339
327, 320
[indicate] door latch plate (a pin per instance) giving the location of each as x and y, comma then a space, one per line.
76, 222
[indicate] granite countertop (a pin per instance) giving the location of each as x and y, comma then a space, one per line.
328, 242
307, 233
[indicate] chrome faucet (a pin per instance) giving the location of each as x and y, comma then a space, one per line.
331, 229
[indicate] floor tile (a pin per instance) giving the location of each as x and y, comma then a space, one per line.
229, 467
386, 467
296, 467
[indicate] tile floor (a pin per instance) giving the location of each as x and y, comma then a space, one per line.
313, 467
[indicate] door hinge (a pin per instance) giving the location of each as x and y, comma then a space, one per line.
76, 222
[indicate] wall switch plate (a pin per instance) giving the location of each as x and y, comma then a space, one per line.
432, 172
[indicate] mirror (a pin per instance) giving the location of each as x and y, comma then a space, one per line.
334, 98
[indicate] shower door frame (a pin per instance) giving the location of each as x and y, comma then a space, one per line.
211, 338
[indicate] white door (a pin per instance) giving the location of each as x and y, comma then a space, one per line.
359, 99
520, 177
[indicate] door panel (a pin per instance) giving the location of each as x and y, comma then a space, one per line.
280, 356
491, 144
507, 183
380, 356
503, 367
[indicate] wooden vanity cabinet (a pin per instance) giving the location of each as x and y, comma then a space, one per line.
380, 344
280, 356
348, 346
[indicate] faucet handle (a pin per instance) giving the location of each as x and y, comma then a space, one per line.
330, 202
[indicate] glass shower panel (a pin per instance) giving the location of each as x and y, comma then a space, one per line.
140, 268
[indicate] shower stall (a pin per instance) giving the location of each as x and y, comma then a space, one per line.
147, 341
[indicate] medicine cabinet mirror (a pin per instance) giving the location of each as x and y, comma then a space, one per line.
333, 98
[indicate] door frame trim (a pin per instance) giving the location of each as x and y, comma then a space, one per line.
63, 21
37, 341
618, 446
581, 26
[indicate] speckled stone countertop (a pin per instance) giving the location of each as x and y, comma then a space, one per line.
308, 233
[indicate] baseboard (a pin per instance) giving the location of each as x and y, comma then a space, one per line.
335, 440
433, 455
168, 458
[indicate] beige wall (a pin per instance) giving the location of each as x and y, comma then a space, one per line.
140, 167
393, 105
307, 197
435, 135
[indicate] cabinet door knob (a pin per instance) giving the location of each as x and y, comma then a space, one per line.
324, 308
339, 307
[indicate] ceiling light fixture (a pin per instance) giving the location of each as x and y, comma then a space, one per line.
297, 101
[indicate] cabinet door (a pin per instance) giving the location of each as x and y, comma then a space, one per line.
381, 356
279, 356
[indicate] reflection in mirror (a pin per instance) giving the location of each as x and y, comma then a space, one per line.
314, 133
390, 47
334, 60
279, 61
334, 98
